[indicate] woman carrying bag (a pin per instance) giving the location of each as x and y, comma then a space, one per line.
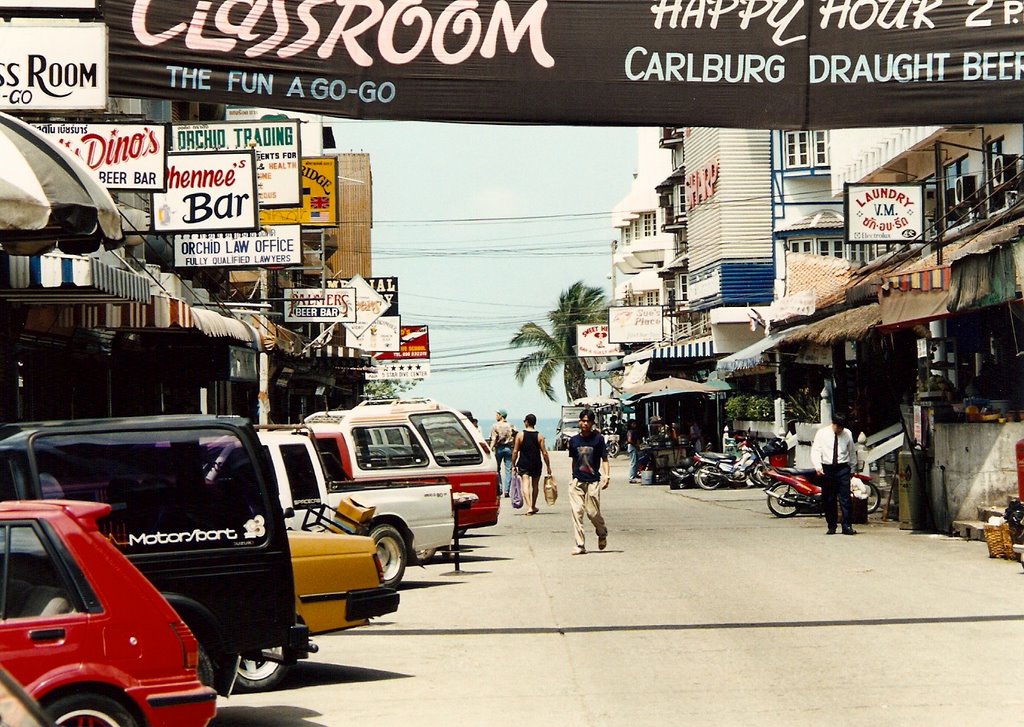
529, 456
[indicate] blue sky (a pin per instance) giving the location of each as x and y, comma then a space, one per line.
484, 226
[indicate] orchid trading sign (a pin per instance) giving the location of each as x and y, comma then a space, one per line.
729, 63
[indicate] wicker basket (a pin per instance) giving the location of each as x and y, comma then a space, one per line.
999, 542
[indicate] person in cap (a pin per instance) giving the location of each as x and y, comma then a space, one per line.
501, 439
590, 475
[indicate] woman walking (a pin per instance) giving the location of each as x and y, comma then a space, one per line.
528, 451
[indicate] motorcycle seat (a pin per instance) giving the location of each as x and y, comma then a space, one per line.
796, 472
715, 456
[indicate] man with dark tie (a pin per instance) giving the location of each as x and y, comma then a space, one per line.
833, 454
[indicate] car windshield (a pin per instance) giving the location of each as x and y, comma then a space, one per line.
448, 440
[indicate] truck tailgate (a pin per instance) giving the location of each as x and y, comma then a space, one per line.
424, 504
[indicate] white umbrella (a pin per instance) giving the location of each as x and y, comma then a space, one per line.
596, 401
48, 195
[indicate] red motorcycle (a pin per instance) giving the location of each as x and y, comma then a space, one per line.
794, 491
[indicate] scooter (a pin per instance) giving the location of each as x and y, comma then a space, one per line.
714, 469
750, 469
793, 492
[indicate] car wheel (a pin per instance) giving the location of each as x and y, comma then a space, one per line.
425, 556
778, 506
89, 710
259, 675
204, 668
391, 551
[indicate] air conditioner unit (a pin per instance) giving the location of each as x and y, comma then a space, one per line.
999, 170
964, 189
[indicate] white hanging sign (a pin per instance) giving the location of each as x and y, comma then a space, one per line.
635, 324
370, 305
592, 340
384, 334
278, 245
313, 305
213, 192
399, 371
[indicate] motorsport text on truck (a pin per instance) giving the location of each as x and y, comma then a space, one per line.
194, 507
411, 516
406, 439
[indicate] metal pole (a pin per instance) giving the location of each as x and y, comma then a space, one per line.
940, 202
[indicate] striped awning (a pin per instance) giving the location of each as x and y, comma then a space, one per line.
330, 351
925, 280
216, 325
163, 312
61, 278
697, 348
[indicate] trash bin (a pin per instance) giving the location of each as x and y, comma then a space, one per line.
913, 509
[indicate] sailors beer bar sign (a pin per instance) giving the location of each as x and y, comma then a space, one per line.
740, 63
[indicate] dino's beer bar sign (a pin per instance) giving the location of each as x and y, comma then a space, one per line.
740, 63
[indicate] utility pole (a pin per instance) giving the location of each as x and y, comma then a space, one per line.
615, 245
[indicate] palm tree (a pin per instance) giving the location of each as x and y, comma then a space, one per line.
578, 304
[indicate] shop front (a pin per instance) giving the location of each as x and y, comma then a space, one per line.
964, 415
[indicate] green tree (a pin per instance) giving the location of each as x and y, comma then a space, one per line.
386, 389
555, 347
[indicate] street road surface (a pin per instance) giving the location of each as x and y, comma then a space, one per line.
704, 610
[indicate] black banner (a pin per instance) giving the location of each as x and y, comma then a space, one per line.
732, 63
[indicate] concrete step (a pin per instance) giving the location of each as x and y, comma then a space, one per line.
969, 529
987, 511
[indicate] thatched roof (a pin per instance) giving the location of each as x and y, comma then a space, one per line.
850, 325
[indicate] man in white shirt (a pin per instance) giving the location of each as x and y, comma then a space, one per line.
833, 454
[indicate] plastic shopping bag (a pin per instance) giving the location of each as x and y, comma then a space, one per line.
550, 490
516, 491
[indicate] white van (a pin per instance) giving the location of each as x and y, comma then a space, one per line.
404, 441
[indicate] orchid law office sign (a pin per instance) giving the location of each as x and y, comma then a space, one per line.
269, 246
755, 64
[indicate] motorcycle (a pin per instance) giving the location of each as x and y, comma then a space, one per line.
714, 469
793, 491
750, 469
682, 475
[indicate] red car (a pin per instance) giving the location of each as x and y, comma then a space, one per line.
90, 638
